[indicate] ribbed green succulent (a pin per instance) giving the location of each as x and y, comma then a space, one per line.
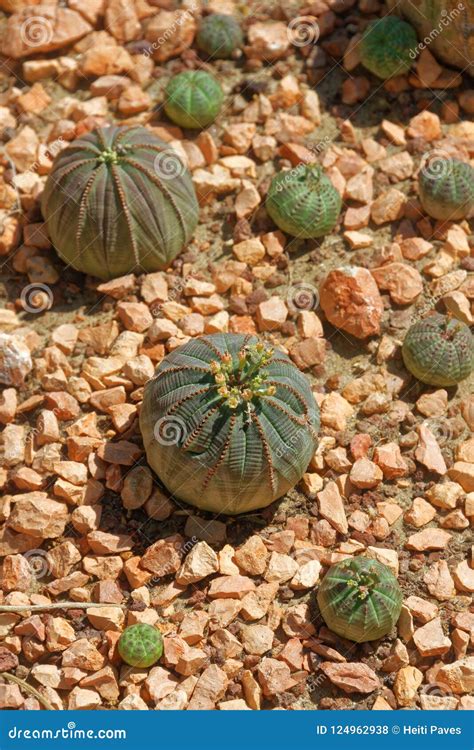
303, 201
219, 35
228, 424
360, 599
119, 200
388, 47
446, 188
439, 350
140, 645
193, 99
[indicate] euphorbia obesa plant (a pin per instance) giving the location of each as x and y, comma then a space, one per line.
360, 599
229, 424
119, 200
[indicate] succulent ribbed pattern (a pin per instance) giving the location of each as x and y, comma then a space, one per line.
303, 201
119, 200
228, 424
219, 35
193, 99
439, 350
386, 46
360, 599
140, 645
446, 189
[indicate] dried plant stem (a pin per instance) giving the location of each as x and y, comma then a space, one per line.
28, 688
56, 605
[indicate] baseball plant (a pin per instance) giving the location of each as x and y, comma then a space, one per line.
229, 424
439, 350
140, 645
360, 599
193, 99
219, 35
388, 47
303, 201
446, 188
119, 200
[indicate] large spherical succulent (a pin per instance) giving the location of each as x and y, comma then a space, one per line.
228, 424
119, 200
303, 201
388, 47
439, 350
446, 188
140, 645
360, 599
193, 99
219, 35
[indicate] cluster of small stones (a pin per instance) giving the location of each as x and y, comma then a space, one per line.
393, 476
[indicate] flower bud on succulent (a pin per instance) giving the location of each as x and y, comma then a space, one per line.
388, 47
193, 99
303, 201
439, 350
446, 188
219, 35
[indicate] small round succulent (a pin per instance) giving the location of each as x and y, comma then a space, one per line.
303, 201
140, 645
193, 99
229, 424
388, 47
446, 188
439, 350
219, 35
360, 599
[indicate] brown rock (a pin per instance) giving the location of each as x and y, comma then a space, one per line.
428, 539
439, 581
199, 563
458, 676
407, 682
164, 45
210, 688
351, 677
39, 29
36, 515
274, 676
428, 451
252, 557
331, 507
351, 301
430, 639
403, 282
